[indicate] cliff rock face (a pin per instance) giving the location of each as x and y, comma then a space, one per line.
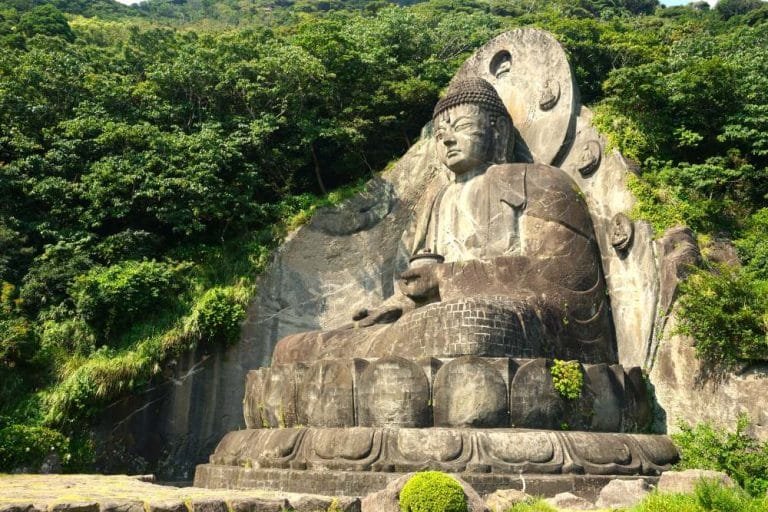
687, 392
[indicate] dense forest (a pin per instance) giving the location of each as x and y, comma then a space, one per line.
152, 156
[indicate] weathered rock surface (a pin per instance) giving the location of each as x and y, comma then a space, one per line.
258, 505
166, 506
121, 506
119, 493
570, 501
388, 499
622, 494
504, 499
470, 452
75, 506
687, 391
209, 505
685, 481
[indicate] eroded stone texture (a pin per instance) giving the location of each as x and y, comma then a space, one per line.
504, 499
355, 448
533, 399
685, 482
607, 405
253, 405
468, 392
121, 506
325, 395
631, 274
686, 391
279, 396
622, 494
638, 411
167, 506
209, 505
394, 392
74, 507
569, 501
459, 450
258, 505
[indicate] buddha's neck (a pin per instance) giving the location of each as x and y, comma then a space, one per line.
466, 176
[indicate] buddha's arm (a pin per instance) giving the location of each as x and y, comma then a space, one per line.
387, 312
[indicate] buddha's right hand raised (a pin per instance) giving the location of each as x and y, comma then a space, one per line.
420, 284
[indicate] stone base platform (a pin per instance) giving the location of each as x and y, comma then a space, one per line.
359, 460
357, 484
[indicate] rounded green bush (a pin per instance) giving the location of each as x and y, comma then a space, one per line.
432, 491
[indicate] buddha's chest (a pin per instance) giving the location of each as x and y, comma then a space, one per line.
472, 221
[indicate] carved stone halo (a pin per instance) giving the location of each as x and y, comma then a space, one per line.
621, 232
530, 71
589, 158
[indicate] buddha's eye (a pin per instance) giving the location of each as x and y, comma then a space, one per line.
439, 135
462, 126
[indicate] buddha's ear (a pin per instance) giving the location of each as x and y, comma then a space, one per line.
502, 126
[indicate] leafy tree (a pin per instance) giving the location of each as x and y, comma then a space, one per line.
730, 8
46, 20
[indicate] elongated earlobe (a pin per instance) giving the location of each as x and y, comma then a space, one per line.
501, 128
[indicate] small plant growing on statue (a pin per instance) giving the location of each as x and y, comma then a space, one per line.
567, 378
432, 491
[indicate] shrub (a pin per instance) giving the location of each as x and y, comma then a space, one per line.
727, 314
432, 491
110, 298
713, 495
567, 378
67, 337
534, 505
736, 453
657, 502
217, 316
27, 446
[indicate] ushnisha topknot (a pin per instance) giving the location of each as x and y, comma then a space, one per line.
475, 91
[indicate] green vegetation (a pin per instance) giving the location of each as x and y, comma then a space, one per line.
152, 156
567, 378
708, 497
432, 491
532, 505
735, 453
726, 312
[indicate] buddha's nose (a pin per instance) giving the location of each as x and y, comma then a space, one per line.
449, 139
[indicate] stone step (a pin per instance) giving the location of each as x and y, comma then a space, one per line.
465, 451
346, 483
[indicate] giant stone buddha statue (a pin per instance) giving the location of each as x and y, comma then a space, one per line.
505, 261
456, 370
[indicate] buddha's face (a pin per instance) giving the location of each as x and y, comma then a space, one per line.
464, 138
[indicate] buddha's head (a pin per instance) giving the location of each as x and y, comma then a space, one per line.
472, 127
